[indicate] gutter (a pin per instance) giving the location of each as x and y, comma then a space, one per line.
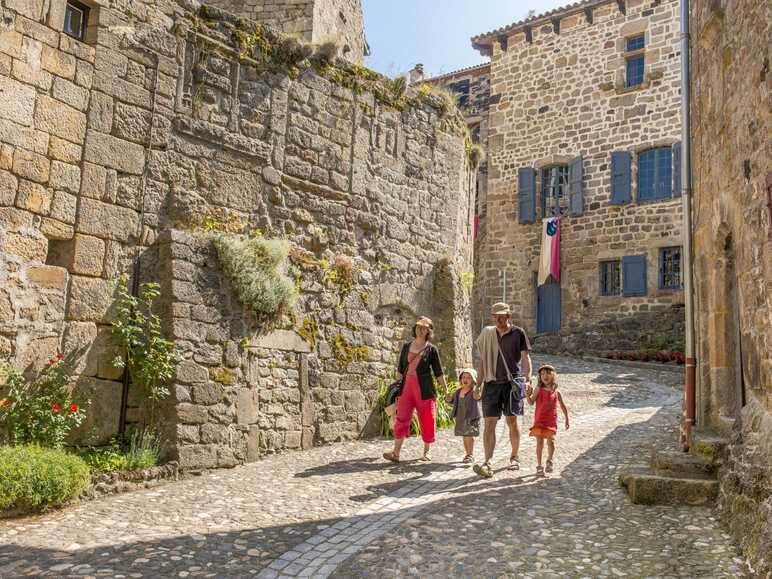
686, 194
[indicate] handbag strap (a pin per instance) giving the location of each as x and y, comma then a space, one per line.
506, 367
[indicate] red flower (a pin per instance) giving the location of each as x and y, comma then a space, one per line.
5, 403
58, 358
55, 408
73, 407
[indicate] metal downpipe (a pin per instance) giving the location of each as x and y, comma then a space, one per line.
686, 194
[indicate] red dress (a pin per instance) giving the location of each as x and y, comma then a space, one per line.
545, 418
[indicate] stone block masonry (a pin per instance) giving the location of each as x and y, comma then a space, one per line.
316, 21
559, 94
177, 122
732, 215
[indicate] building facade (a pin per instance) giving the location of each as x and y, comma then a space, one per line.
314, 21
732, 219
584, 123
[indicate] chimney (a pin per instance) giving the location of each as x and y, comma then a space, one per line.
416, 74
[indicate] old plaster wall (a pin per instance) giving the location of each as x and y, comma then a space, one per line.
135, 143
732, 175
557, 93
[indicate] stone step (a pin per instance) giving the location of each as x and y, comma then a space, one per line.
650, 487
709, 446
682, 464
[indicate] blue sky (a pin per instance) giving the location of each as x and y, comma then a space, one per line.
436, 32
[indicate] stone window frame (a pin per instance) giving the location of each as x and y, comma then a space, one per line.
628, 31
91, 15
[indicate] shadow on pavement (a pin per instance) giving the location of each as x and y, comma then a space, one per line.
587, 486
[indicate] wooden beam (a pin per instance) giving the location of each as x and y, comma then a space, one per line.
622, 6
556, 25
588, 15
528, 34
503, 43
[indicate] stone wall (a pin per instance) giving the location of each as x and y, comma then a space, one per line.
314, 21
342, 22
174, 122
558, 93
473, 89
732, 176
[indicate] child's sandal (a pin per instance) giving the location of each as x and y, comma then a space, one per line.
467, 459
540, 470
549, 466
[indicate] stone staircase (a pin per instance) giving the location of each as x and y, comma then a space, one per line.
678, 478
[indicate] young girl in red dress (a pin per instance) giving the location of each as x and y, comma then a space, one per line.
545, 418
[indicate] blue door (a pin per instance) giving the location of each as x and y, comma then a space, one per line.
548, 308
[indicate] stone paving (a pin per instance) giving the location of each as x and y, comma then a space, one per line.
340, 511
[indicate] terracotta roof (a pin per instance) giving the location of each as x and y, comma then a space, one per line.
466, 70
479, 40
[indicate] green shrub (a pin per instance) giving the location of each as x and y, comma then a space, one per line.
142, 453
33, 478
42, 411
443, 414
253, 266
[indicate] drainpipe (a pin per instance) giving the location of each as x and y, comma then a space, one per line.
686, 194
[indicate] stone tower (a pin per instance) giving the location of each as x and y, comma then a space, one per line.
314, 21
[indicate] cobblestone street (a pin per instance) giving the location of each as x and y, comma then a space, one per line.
342, 511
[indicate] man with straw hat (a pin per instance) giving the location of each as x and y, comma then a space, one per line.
503, 370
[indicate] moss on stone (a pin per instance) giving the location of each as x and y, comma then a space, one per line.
345, 353
224, 376
309, 330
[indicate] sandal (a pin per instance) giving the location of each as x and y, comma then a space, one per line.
467, 459
540, 470
391, 456
514, 463
425, 458
484, 470
549, 466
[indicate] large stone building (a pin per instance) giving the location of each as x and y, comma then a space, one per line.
584, 123
314, 21
731, 156
128, 131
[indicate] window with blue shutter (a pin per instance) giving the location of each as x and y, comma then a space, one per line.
621, 178
634, 275
670, 268
575, 187
610, 278
655, 174
676, 169
526, 195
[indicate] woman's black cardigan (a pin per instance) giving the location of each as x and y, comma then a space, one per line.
430, 362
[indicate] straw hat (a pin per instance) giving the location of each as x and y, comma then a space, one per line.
546, 367
500, 309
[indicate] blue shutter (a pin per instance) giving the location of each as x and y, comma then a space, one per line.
526, 195
634, 275
621, 190
677, 169
575, 188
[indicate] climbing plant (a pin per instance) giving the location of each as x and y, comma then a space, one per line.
148, 356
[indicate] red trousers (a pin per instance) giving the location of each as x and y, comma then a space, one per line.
409, 401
